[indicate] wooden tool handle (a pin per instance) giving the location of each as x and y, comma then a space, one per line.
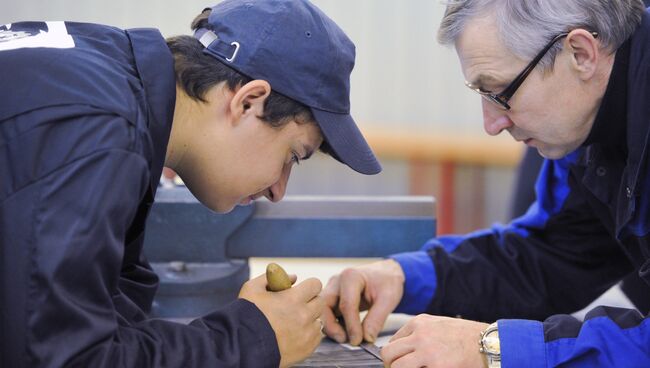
276, 278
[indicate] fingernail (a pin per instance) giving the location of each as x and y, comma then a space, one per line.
370, 336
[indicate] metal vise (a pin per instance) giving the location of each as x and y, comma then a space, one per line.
202, 257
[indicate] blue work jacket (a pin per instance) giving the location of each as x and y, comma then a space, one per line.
85, 117
589, 228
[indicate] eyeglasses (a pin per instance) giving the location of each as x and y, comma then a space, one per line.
501, 99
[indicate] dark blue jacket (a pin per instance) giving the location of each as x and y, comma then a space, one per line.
85, 116
589, 227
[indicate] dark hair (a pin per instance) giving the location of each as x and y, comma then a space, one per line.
197, 72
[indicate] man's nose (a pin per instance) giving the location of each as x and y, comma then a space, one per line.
495, 120
278, 189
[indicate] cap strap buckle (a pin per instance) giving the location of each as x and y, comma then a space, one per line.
208, 38
234, 54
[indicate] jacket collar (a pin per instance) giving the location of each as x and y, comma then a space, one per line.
638, 93
609, 128
155, 65
638, 116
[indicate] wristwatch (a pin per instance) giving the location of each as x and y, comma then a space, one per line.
490, 346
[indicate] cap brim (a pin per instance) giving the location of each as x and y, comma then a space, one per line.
347, 142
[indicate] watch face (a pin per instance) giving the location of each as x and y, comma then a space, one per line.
491, 343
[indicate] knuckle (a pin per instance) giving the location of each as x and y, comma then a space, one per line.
333, 280
312, 285
317, 284
349, 273
346, 306
329, 297
329, 300
419, 336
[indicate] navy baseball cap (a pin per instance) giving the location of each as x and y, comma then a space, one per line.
303, 54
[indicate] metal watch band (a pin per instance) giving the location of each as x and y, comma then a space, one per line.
491, 351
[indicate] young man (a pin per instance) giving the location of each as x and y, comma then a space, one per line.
92, 115
569, 78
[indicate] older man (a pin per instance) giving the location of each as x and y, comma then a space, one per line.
572, 79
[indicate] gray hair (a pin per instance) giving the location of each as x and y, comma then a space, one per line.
526, 26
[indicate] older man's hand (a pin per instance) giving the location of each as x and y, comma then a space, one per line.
377, 287
433, 341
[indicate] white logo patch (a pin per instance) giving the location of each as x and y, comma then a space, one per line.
55, 36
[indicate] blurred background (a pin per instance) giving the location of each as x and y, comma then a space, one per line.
408, 97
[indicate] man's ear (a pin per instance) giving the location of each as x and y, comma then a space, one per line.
249, 99
585, 53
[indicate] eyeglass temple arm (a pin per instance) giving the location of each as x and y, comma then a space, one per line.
521, 77
507, 94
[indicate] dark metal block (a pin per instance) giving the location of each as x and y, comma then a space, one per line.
201, 257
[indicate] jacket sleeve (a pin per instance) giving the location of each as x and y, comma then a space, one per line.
69, 194
608, 337
555, 259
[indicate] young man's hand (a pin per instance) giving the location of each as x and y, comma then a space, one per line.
377, 287
432, 341
294, 315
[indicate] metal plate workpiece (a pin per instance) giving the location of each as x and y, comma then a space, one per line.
331, 354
